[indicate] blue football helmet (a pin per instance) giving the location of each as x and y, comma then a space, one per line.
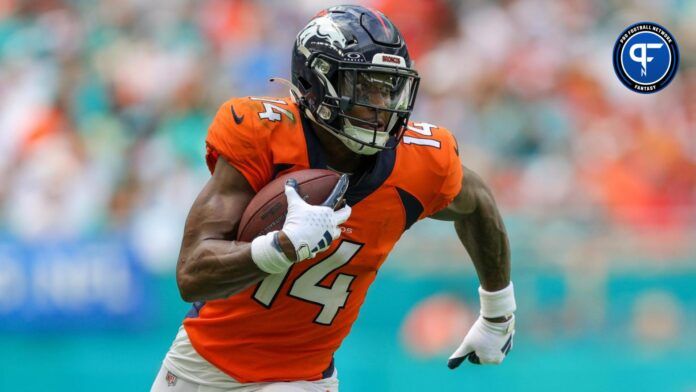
353, 77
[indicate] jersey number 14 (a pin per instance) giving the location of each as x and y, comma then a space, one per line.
307, 286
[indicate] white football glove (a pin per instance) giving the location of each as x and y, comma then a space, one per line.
489, 342
310, 229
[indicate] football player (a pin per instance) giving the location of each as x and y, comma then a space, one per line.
269, 314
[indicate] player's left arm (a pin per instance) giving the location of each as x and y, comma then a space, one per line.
481, 230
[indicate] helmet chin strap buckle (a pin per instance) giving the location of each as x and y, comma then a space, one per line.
324, 112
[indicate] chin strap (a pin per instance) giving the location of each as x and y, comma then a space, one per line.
346, 141
309, 115
297, 97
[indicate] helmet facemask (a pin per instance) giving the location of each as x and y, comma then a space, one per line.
364, 105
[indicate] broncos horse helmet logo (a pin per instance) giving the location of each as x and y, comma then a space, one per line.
324, 28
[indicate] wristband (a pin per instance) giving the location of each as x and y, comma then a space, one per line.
267, 256
497, 303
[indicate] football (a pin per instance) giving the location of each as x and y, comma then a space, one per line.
266, 211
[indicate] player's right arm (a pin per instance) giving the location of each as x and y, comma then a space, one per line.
211, 264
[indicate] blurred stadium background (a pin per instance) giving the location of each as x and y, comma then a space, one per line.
104, 108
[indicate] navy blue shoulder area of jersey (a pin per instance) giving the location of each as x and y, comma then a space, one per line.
367, 182
412, 207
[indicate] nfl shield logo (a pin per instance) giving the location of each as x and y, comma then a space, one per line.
171, 379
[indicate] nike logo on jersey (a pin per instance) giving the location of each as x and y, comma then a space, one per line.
237, 119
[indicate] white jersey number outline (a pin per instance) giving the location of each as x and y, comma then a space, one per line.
307, 287
421, 129
273, 112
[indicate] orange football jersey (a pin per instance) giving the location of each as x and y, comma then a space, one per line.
288, 326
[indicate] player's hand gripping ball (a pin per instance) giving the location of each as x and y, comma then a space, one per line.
267, 211
305, 212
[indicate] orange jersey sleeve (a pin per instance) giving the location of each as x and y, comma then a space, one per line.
451, 175
430, 169
235, 136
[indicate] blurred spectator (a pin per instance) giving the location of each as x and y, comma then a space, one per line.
104, 108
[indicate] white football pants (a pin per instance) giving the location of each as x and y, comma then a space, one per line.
167, 381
